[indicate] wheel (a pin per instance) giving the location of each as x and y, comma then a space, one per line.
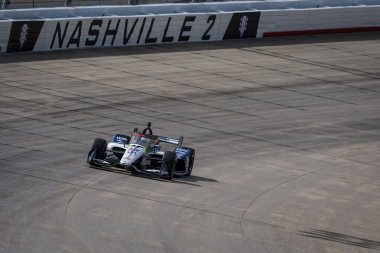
99, 146
168, 165
191, 161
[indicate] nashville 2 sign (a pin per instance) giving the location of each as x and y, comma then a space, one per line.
135, 31
63, 34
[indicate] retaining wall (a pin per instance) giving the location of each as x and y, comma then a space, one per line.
41, 30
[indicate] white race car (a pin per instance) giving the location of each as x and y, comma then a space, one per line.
142, 152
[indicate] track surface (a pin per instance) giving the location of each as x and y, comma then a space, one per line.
286, 133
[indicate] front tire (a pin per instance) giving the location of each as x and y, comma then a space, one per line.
168, 165
191, 161
99, 147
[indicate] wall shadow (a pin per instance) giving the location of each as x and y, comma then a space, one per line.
185, 47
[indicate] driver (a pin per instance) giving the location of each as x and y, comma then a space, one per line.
148, 129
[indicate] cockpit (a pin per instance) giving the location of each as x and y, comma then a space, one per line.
142, 139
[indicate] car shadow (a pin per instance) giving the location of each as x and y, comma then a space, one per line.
188, 180
341, 238
194, 179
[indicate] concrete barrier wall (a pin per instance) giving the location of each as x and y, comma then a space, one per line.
4, 35
60, 34
318, 21
175, 8
107, 31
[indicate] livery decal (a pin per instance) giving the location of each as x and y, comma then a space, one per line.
23, 35
242, 25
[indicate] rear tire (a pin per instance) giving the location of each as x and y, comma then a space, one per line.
100, 146
191, 161
168, 165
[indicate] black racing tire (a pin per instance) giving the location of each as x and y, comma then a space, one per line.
191, 162
100, 146
168, 163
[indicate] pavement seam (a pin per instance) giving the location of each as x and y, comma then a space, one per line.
268, 190
141, 197
81, 188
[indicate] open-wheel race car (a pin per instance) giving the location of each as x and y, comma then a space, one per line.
143, 152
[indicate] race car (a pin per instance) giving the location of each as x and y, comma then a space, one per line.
142, 152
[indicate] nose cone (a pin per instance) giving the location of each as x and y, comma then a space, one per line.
132, 154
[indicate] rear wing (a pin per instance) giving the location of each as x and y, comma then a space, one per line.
169, 140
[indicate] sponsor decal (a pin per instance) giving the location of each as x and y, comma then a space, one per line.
120, 140
23, 35
182, 153
242, 25
134, 150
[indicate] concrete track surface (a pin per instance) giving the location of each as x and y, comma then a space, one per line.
286, 133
